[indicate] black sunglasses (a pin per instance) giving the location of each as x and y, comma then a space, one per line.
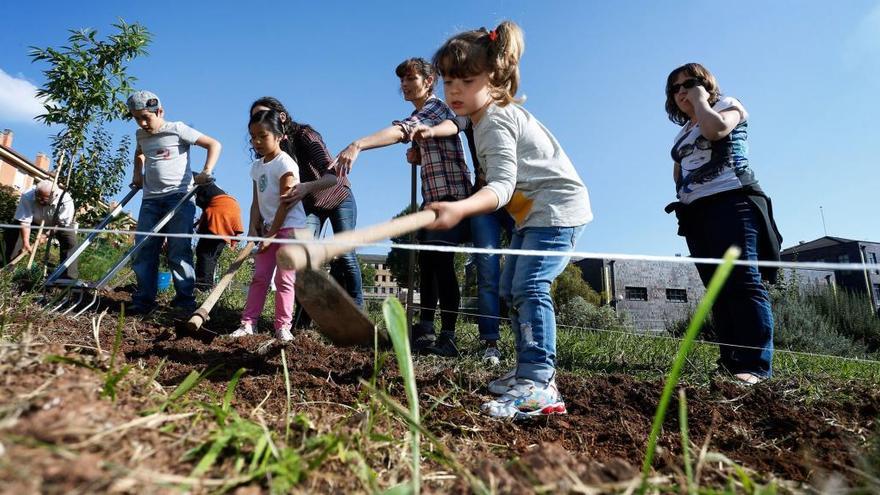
688, 84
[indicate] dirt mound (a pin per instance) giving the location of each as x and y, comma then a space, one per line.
777, 429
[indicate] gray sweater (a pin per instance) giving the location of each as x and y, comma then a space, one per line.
528, 170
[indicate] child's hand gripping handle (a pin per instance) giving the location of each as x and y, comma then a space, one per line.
312, 256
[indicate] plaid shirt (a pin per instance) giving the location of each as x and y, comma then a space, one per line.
313, 159
445, 174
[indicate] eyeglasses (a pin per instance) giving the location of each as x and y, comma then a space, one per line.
687, 84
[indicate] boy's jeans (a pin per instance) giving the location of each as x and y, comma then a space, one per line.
525, 284
180, 253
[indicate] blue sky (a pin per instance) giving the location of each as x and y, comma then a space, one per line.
593, 72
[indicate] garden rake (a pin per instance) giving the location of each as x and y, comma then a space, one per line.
76, 290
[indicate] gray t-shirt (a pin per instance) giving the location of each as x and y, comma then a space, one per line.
529, 171
167, 170
30, 211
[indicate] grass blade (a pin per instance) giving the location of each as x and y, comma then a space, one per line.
230, 389
685, 441
715, 285
287, 403
395, 319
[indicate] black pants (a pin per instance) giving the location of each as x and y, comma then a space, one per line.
208, 251
438, 282
66, 239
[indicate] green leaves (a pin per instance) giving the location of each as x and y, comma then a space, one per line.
395, 318
86, 83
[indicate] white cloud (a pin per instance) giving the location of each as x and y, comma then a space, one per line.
863, 44
18, 99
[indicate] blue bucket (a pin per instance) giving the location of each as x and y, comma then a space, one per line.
164, 281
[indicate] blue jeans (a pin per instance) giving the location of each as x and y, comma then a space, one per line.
525, 284
742, 313
180, 253
486, 233
345, 269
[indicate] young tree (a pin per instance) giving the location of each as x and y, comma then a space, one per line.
86, 85
398, 259
368, 274
570, 284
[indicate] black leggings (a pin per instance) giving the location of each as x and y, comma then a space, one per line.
438, 281
208, 251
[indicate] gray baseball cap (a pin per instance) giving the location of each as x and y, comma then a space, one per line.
143, 100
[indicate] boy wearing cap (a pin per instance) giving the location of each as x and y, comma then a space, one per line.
162, 169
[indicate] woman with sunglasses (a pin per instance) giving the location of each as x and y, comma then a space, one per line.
720, 204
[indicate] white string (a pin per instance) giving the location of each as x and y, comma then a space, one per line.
667, 337
798, 265
521, 252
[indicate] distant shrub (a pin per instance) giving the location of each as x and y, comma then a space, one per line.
849, 314
571, 284
812, 319
8, 203
802, 324
581, 314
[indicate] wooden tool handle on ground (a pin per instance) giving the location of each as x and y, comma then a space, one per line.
200, 315
22, 255
312, 256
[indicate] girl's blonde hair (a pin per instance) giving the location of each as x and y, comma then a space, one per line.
496, 52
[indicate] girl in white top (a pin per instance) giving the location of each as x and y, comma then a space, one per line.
274, 174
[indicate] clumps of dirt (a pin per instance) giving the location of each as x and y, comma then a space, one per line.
51, 414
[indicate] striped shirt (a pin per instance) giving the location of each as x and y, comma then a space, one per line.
313, 159
445, 174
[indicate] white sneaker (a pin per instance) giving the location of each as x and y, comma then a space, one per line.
525, 399
491, 356
284, 334
244, 330
500, 386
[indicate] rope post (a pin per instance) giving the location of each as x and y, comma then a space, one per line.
411, 268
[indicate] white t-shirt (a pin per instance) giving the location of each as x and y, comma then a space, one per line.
709, 167
30, 211
267, 177
166, 168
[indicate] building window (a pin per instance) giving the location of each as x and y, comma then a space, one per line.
876, 293
677, 295
636, 293
843, 258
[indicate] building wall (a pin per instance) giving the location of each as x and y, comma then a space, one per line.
663, 284
651, 293
865, 282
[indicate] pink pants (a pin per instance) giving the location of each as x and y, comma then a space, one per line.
264, 265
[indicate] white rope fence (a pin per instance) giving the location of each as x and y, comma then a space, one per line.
518, 252
800, 265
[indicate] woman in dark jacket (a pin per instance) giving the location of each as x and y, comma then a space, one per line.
720, 204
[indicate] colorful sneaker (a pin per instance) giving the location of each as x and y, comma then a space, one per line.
283, 334
501, 385
244, 330
491, 356
526, 399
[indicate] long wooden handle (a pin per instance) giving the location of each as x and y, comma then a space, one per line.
22, 255
299, 256
200, 315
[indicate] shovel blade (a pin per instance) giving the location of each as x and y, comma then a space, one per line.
332, 310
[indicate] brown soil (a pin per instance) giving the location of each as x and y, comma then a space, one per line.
55, 437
